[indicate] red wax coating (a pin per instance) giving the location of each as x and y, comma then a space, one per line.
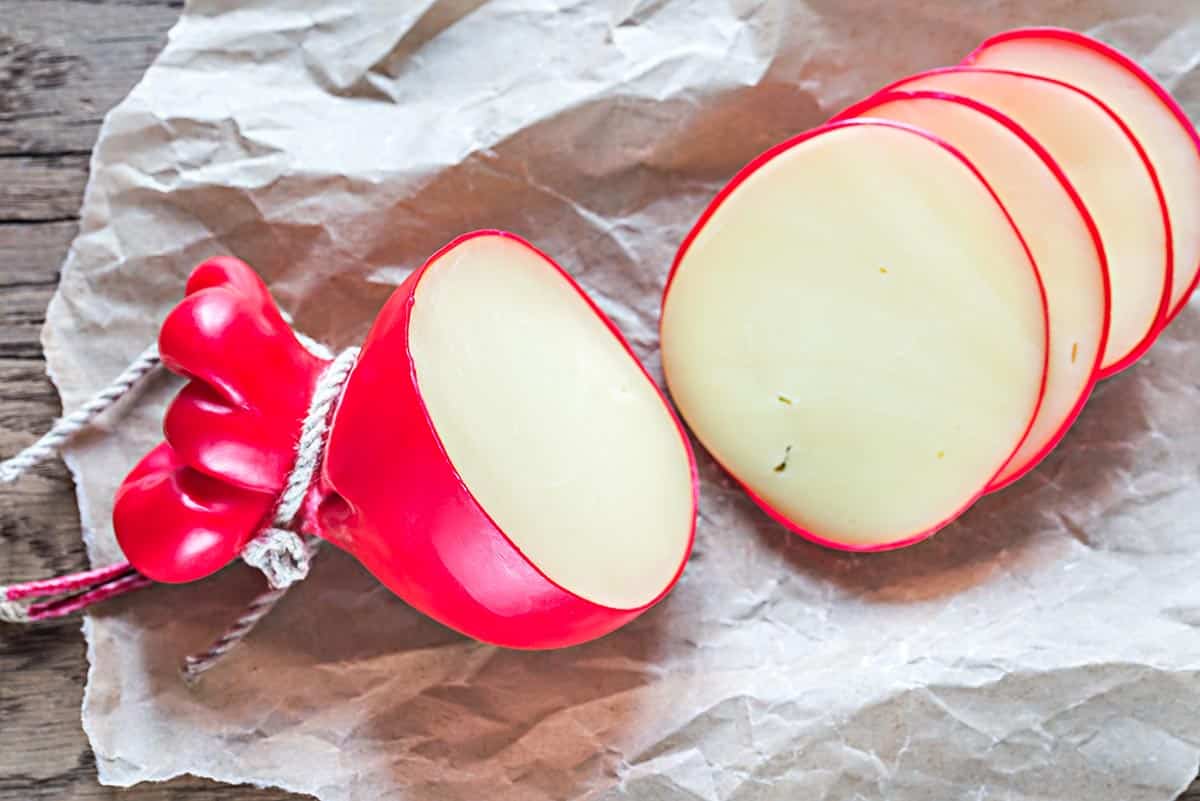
191, 504
387, 492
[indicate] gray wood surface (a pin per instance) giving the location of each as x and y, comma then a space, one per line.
63, 64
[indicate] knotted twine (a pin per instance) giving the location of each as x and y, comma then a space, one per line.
279, 551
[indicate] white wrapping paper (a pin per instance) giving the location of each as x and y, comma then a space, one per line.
1044, 647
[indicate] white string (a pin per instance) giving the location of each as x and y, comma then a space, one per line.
50, 444
281, 554
278, 551
194, 666
318, 349
312, 436
66, 427
12, 611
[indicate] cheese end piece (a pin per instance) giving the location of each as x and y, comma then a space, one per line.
551, 423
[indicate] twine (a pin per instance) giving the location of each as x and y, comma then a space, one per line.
280, 553
80, 589
12, 611
52, 442
56, 597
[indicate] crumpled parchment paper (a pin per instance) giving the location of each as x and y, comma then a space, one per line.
1044, 647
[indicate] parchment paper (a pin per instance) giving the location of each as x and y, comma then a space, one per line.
1044, 647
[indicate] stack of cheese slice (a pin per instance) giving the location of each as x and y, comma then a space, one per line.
886, 317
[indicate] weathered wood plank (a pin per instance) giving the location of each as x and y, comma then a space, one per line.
32, 253
43, 752
42, 187
65, 63
58, 76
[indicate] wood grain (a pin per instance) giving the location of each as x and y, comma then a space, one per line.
63, 64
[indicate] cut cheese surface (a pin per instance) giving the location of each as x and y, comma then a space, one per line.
1103, 164
857, 333
1055, 226
551, 424
1145, 107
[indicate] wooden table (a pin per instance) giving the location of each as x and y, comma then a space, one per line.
63, 64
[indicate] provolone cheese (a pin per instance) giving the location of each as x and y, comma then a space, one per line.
551, 424
857, 333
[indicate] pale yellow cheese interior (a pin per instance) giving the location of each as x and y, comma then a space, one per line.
1057, 234
550, 423
1167, 144
858, 335
1105, 168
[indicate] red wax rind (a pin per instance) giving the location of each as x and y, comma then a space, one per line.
387, 492
413, 522
191, 504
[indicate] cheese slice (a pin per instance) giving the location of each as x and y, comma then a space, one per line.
856, 331
551, 423
1102, 161
1059, 232
1145, 106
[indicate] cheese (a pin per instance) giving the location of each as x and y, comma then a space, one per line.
550, 423
1053, 224
1169, 145
858, 335
1103, 164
